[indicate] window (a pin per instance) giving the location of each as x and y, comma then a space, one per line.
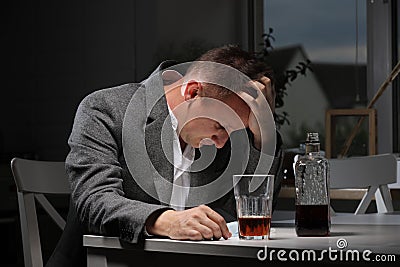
332, 35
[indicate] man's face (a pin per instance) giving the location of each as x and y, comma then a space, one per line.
211, 121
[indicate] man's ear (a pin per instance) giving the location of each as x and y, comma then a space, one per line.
192, 89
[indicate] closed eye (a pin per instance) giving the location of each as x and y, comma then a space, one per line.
219, 126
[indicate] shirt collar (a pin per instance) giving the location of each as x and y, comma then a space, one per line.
189, 152
174, 120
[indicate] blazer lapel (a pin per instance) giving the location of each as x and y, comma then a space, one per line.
147, 140
158, 136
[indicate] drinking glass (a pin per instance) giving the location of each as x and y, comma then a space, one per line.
253, 195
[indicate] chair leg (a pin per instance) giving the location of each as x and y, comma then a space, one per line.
366, 200
333, 212
30, 230
383, 198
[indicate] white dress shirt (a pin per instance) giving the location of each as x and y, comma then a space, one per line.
182, 162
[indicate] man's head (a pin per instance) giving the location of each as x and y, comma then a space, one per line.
213, 108
234, 57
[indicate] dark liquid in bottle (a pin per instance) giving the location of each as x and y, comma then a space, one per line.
254, 225
312, 220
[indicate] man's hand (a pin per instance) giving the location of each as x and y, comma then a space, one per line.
265, 86
194, 224
265, 91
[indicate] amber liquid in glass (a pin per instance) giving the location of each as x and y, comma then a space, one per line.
254, 225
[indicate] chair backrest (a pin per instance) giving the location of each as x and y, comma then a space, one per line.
33, 179
362, 172
373, 172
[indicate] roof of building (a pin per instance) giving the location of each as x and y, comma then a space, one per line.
346, 80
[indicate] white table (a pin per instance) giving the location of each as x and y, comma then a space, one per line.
378, 233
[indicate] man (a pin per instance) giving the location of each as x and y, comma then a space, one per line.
157, 158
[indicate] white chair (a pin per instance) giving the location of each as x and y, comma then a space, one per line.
373, 172
34, 179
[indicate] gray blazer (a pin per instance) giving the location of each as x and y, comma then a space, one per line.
105, 193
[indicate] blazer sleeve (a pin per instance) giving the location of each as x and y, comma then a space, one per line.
276, 166
95, 173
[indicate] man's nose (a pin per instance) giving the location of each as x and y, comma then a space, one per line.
220, 138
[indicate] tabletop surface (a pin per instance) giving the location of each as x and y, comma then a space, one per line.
374, 232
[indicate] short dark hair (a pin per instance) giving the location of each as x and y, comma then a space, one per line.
235, 57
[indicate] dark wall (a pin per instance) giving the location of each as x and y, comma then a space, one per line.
54, 53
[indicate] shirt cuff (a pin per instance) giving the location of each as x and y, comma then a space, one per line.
146, 234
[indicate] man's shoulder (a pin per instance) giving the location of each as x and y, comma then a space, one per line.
116, 96
116, 92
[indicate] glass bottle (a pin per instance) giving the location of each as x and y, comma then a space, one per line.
312, 191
